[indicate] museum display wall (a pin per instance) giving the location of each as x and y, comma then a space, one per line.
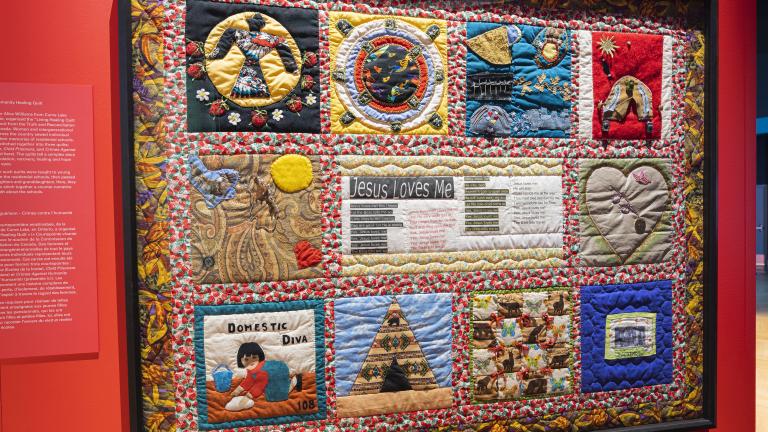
423, 215
93, 382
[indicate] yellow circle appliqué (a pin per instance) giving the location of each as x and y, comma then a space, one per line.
291, 173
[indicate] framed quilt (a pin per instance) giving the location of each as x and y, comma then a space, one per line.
419, 215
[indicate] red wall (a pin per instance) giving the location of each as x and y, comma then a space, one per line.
74, 41
736, 213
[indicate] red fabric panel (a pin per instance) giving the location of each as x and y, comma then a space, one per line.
638, 55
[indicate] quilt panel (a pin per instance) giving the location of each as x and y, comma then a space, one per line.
417, 216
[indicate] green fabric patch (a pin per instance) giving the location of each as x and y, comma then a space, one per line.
630, 335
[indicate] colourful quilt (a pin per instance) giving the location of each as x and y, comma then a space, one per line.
418, 215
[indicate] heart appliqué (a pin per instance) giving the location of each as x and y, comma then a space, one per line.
625, 209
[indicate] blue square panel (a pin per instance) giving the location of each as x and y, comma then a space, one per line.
518, 81
629, 314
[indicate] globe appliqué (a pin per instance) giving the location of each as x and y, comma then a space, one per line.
389, 77
392, 74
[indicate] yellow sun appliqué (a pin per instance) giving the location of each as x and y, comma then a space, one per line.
608, 46
291, 172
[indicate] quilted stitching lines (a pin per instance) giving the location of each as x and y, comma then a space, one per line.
518, 81
262, 226
625, 215
445, 271
393, 354
474, 213
260, 364
627, 75
626, 335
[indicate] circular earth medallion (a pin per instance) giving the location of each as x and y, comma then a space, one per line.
391, 74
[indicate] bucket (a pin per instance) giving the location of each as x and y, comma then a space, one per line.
279, 381
222, 378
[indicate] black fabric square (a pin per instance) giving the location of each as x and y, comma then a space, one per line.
252, 68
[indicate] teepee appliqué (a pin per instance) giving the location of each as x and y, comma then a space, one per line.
395, 361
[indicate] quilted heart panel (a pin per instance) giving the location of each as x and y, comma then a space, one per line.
417, 215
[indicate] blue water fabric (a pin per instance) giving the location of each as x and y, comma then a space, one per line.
536, 113
205, 181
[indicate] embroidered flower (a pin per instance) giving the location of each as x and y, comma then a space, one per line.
310, 99
277, 115
203, 95
233, 118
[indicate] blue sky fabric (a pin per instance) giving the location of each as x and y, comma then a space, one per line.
523, 65
599, 301
359, 319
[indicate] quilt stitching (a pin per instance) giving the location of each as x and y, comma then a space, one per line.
404, 356
264, 231
610, 211
390, 257
525, 92
536, 344
428, 284
248, 71
555, 148
275, 374
268, 288
389, 74
601, 307
617, 68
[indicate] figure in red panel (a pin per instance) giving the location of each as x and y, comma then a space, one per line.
627, 85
